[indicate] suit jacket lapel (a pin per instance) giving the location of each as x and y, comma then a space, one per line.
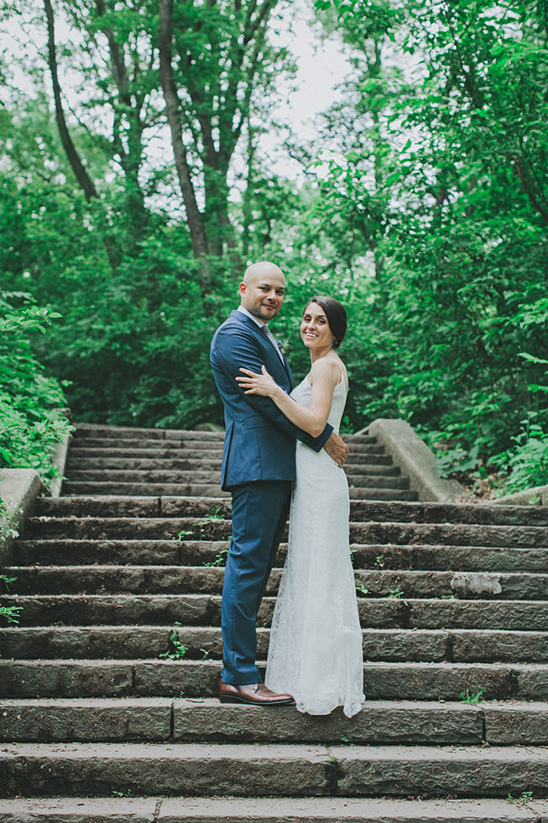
260, 335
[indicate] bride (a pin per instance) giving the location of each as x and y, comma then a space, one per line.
315, 650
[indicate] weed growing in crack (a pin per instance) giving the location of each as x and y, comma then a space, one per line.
524, 798
466, 697
395, 593
177, 649
9, 613
220, 559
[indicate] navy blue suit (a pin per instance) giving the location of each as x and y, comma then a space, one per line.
258, 467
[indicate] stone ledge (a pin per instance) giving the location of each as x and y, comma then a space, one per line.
19, 489
59, 459
415, 459
536, 496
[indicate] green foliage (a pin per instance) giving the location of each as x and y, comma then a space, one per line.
177, 650
442, 188
32, 418
9, 613
424, 210
526, 463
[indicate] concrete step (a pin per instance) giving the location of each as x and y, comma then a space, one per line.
142, 579
205, 609
421, 681
205, 643
204, 528
467, 559
272, 810
380, 722
266, 770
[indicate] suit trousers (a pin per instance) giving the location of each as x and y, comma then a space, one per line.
259, 514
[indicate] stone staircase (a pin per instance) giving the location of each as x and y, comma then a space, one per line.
104, 460
108, 708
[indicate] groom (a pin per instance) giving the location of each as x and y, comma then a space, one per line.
258, 467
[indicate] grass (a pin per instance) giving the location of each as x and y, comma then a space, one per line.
466, 697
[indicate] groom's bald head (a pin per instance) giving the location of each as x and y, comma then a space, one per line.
262, 290
263, 269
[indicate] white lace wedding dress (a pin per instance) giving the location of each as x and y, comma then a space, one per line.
315, 650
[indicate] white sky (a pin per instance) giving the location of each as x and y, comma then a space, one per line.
321, 65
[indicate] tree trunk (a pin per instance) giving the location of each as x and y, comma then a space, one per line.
84, 180
194, 218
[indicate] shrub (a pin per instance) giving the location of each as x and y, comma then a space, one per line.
32, 416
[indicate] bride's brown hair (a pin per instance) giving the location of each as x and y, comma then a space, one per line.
336, 316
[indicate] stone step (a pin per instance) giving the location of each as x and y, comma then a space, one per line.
198, 489
199, 552
211, 463
421, 681
205, 643
155, 809
380, 722
266, 770
88, 431
141, 579
204, 610
161, 448
198, 528
101, 489
192, 474
131, 441
366, 510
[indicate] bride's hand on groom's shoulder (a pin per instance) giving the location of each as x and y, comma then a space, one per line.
254, 383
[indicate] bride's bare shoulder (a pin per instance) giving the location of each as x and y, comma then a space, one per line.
326, 368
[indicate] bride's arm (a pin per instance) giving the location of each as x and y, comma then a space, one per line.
324, 376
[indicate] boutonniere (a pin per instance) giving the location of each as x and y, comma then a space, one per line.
283, 346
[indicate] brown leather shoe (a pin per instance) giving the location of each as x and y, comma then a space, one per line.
255, 694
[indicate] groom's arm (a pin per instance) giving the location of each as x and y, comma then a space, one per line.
236, 348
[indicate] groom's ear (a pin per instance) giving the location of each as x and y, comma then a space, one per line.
241, 288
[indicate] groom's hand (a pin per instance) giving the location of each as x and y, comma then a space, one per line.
337, 449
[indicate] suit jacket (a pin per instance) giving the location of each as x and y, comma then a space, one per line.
260, 440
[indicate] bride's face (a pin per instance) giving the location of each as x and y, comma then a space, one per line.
315, 331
